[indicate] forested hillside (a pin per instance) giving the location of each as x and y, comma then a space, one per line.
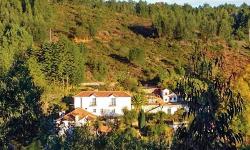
48, 48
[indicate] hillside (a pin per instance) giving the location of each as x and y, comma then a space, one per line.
117, 33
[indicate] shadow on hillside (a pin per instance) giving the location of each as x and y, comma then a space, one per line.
151, 82
145, 31
167, 62
120, 58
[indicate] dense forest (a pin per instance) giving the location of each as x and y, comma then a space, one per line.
48, 48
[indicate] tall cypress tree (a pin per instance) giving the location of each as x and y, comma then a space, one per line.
141, 120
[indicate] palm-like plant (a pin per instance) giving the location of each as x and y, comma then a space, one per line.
138, 101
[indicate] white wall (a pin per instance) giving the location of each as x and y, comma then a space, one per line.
173, 99
165, 108
103, 103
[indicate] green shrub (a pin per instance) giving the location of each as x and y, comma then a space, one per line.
136, 56
99, 69
232, 44
129, 84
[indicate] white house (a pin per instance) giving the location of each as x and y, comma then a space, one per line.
103, 103
168, 96
161, 100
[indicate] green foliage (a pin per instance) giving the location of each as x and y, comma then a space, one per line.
36, 72
20, 106
129, 116
24, 24
141, 8
138, 101
243, 86
14, 40
156, 130
136, 56
99, 69
141, 120
213, 108
165, 24
130, 84
80, 139
62, 61
158, 117
92, 30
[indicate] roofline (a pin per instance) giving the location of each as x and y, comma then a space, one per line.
101, 96
105, 96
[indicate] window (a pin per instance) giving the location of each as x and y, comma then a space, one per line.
169, 110
94, 110
113, 102
93, 103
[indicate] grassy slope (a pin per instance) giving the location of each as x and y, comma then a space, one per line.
114, 38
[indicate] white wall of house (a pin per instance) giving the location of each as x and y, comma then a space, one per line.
81, 122
168, 97
168, 109
103, 106
165, 92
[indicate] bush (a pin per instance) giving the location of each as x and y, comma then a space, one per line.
99, 70
232, 44
92, 30
155, 129
116, 45
129, 84
136, 56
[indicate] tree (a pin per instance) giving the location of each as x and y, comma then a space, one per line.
62, 61
12, 42
141, 8
214, 105
20, 106
136, 55
141, 120
224, 24
138, 101
180, 30
81, 138
208, 28
165, 24
129, 116
243, 86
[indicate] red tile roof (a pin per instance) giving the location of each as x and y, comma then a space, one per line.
81, 113
102, 94
104, 129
